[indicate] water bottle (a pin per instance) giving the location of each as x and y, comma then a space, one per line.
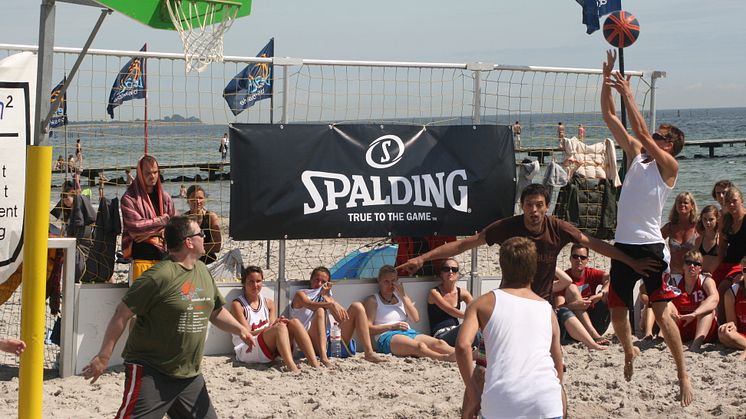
335, 337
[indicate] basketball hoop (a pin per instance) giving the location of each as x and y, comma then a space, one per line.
201, 25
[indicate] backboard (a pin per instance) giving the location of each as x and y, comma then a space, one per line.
154, 13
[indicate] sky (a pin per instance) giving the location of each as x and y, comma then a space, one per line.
700, 45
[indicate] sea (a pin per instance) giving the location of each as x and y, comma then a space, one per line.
117, 145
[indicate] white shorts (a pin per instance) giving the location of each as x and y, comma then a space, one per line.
259, 354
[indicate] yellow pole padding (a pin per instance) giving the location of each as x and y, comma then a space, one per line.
33, 312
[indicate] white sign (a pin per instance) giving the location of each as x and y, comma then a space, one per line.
17, 95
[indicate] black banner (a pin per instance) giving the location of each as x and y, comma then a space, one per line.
327, 181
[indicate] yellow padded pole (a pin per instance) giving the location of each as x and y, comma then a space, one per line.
33, 312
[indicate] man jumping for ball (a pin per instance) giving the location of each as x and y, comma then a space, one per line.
652, 170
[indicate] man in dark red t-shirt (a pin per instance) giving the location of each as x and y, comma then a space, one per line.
550, 235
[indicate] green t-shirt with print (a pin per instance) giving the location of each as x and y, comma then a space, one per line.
173, 306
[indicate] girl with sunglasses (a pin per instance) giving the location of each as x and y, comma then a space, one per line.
444, 304
694, 308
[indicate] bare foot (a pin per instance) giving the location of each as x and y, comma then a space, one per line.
686, 391
374, 358
327, 363
314, 362
629, 360
596, 347
449, 357
743, 356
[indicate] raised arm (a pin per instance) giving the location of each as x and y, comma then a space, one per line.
444, 251
409, 306
665, 160
627, 142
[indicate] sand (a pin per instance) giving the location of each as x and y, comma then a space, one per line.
419, 388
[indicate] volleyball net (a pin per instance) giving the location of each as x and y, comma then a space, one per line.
187, 117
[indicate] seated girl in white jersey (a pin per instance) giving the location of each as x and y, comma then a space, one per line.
313, 306
522, 342
694, 307
388, 311
272, 336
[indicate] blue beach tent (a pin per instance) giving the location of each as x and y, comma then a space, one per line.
364, 263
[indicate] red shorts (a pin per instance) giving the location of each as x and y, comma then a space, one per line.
689, 331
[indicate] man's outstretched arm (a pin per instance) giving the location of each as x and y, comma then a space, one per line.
444, 251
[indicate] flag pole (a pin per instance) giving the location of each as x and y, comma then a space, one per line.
144, 76
272, 96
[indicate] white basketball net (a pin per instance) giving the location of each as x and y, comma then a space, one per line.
203, 41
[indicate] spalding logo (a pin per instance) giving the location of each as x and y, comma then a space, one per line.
387, 143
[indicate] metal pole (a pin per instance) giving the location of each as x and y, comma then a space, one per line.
653, 111
282, 297
474, 286
75, 67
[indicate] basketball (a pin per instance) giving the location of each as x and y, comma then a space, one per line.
621, 29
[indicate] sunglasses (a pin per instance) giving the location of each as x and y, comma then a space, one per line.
201, 234
692, 263
581, 257
453, 269
659, 137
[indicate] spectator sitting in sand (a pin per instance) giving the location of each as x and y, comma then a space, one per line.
388, 311
733, 333
271, 336
444, 304
312, 306
592, 309
694, 308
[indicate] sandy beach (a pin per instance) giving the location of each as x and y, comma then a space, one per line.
419, 388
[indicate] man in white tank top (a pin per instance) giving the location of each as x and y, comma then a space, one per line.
522, 343
651, 175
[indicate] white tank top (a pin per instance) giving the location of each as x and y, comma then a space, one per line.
258, 319
305, 315
521, 380
644, 193
389, 313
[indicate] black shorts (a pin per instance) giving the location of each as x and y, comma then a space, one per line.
150, 394
623, 277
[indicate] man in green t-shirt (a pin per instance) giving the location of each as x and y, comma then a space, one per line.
173, 301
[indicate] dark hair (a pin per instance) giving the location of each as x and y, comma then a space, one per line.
318, 269
535, 189
149, 160
386, 269
193, 190
724, 184
675, 135
68, 186
249, 270
517, 262
578, 246
177, 229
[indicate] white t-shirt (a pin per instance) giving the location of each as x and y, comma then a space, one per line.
521, 380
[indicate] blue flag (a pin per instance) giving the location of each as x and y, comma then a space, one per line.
253, 83
129, 84
59, 117
593, 9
